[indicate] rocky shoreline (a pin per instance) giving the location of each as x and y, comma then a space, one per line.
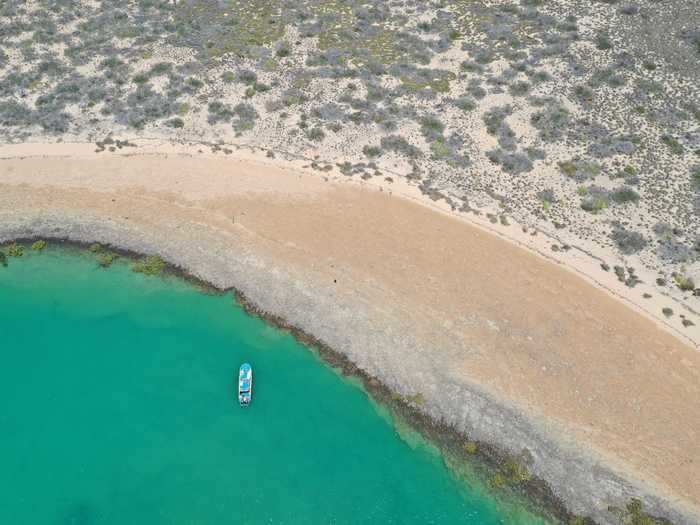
581, 485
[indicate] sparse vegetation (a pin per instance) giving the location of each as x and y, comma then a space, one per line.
39, 245
417, 399
105, 259
633, 514
510, 472
627, 241
15, 250
673, 144
695, 177
151, 265
684, 283
625, 195
471, 447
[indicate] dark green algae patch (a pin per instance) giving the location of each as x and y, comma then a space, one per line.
476, 464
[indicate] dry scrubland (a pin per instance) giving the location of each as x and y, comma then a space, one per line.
578, 118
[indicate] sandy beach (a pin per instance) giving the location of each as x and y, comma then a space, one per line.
506, 345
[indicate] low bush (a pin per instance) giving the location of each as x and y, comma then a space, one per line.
695, 177
603, 42
399, 145
151, 265
106, 259
629, 242
219, 112
417, 399
673, 144
515, 163
519, 88
471, 447
579, 170
316, 134
175, 123
510, 472
431, 127
551, 121
38, 245
684, 283
495, 117
372, 151
465, 104
245, 117
15, 250
625, 195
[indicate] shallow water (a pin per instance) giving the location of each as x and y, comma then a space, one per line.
117, 406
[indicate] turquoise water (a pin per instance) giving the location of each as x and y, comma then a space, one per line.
117, 406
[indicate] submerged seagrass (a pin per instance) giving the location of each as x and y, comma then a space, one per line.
120, 408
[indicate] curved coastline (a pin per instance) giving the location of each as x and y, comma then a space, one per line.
222, 238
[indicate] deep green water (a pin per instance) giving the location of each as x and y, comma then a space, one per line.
117, 406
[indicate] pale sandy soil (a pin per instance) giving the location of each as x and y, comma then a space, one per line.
593, 370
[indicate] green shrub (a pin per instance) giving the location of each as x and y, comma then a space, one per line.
140, 78
399, 145
515, 471
624, 195
510, 472
668, 312
372, 151
470, 447
418, 398
465, 104
151, 265
283, 50
38, 245
316, 134
439, 149
695, 177
568, 168
431, 127
602, 41
684, 283
15, 250
3, 259
519, 88
175, 123
628, 241
579, 170
498, 480
633, 514
673, 144
95, 248
595, 204
106, 259
161, 68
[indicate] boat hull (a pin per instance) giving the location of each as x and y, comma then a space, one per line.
245, 385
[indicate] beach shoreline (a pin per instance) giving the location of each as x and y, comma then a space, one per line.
183, 212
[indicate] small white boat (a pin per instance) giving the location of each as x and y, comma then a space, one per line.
245, 384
